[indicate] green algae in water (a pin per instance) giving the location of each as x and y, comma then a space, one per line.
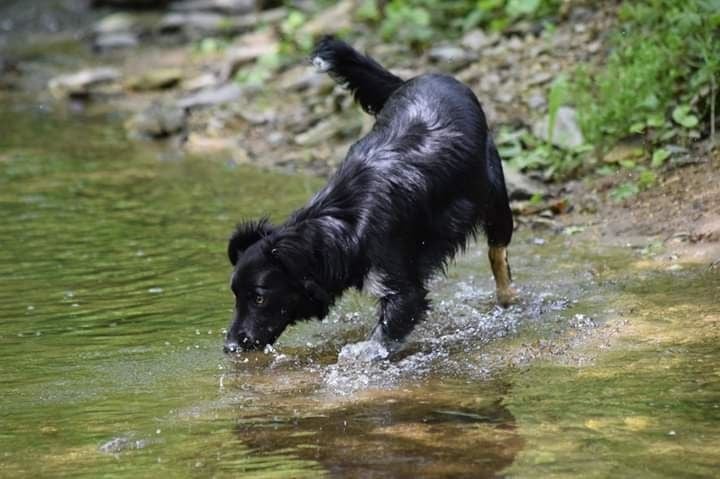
648, 408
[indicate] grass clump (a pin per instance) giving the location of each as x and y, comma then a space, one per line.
660, 79
420, 22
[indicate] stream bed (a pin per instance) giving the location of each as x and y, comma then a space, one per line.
114, 296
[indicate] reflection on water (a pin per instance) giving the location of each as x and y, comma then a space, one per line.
113, 296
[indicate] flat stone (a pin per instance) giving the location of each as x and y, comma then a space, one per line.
201, 22
81, 83
330, 20
519, 186
450, 54
157, 121
220, 6
328, 129
115, 23
115, 41
247, 49
213, 96
625, 151
477, 40
300, 78
157, 79
200, 82
211, 23
152, 4
566, 133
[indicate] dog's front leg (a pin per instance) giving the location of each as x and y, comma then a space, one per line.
399, 313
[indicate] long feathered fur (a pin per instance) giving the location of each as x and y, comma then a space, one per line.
370, 83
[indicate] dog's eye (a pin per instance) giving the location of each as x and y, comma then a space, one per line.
259, 299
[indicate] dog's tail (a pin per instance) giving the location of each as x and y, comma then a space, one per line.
367, 80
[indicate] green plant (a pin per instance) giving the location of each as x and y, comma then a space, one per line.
418, 22
524, 151
660, 79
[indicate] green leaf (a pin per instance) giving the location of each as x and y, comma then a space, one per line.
647, 179
683, 116
536, 199
655, 121
637, 128
659, 157
625, 191
516, 8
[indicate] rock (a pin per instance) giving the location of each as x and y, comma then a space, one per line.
246, 49
300, 78
212, 96
327, 129
330, 20
205, 80
81, 83
157, 79
519, 186
209, 23
476, 40
115, 23
539, 78
536, 101
131, 3
197, 22
114, 41
625, 151
198, 143
566, 133
220, 6
449, 54
157, 121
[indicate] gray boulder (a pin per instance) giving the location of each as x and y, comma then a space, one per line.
212, 96
519, 186
157, 121
566, 134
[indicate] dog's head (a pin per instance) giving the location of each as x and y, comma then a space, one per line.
272, 284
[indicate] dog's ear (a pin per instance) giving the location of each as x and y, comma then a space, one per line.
294, 253
320, 296
245, 235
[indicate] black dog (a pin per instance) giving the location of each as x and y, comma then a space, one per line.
407, 198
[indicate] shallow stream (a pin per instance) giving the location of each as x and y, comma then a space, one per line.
114, 294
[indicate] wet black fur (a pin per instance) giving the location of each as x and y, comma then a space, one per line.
407, 198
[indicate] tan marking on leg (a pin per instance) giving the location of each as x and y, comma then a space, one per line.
501, 271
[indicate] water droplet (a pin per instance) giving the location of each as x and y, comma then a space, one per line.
155, 290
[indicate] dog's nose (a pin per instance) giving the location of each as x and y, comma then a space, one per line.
230, 347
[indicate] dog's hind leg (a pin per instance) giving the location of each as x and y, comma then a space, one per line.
503, 277
498, 227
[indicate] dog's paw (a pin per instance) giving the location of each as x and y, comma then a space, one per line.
506, 296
